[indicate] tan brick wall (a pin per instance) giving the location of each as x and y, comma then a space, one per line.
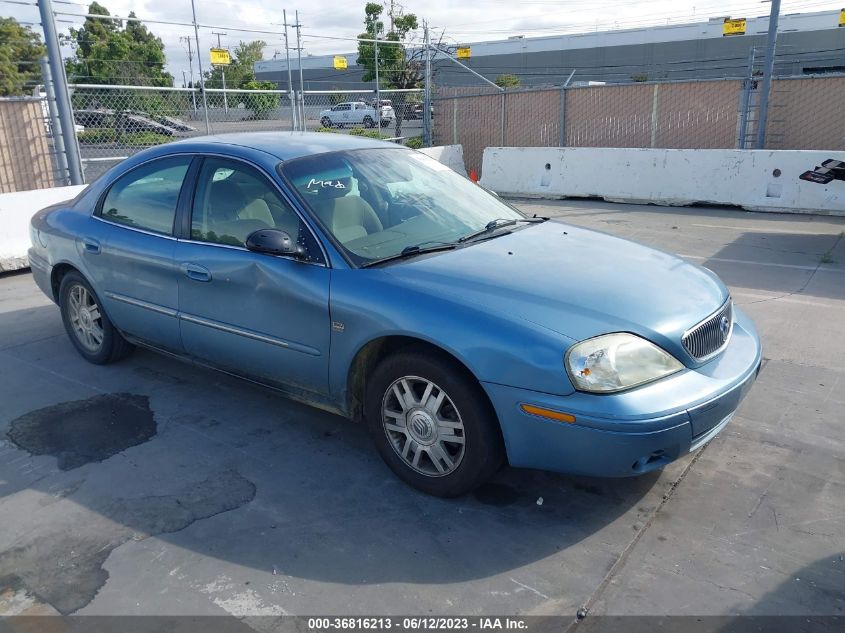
25, 155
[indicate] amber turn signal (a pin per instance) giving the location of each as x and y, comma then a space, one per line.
547, 413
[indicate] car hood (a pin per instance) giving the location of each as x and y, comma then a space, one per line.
577, 282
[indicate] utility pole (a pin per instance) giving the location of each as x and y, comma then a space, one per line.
222, 73
768, 70
427, 89
187, 39
390, 13
301, 84
378, 92
199, 64
57, 71
290, 79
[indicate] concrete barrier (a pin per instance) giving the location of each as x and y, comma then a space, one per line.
16, 209
757, 180
450, 155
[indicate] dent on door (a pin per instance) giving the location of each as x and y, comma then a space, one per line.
262, 317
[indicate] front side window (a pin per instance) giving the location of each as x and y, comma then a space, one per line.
146, 197
378, 202
232, 200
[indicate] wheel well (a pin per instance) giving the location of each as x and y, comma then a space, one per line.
59, 271
371, 355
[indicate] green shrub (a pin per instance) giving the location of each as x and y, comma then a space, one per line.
144, 138
415, 142
325, 129
359, 131
98, 135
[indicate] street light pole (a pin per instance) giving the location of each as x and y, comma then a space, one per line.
768, 70
427, 92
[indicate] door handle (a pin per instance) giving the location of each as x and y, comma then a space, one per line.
196, 272
91, 245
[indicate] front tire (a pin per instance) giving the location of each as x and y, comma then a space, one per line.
432, 424
368, 121
326, 122
87, 325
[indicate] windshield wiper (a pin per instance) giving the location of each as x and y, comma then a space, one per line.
494, 225
413, 251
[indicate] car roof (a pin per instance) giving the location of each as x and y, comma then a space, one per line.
282, 145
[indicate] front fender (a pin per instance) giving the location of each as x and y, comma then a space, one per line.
497, 348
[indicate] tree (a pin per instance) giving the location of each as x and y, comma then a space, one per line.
400, 65
109, 53
261, 104
507, 81
242, 69
19, 55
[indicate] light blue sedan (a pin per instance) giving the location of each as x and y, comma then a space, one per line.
370, 280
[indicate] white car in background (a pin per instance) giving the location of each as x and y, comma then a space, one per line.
355, 113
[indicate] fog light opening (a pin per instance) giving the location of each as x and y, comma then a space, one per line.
649, 461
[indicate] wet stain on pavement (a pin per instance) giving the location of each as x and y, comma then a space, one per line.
61, 561
84, 431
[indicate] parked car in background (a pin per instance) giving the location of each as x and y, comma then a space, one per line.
414, 111
356, 113
370, 280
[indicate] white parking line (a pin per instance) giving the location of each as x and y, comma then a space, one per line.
820, 269
759, 230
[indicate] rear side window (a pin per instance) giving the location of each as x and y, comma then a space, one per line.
146, 197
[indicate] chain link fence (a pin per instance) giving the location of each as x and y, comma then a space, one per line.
118, 121
806, 113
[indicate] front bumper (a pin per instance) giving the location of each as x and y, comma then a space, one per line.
632, 432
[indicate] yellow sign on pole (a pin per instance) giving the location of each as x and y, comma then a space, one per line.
464, 52
220, 57
340, 62
842, 17
733, 27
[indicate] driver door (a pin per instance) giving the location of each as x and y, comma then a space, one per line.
259, 316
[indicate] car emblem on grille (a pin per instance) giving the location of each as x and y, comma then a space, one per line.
724, 326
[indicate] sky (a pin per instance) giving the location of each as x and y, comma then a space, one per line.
330, 26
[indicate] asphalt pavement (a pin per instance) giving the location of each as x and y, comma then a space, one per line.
169, 489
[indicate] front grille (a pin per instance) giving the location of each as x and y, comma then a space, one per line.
711, 335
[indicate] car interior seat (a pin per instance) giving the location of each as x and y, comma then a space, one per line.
348, 217
231, 214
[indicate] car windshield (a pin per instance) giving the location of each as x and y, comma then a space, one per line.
380, 202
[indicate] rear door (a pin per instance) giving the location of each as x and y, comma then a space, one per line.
260, 316
132, 250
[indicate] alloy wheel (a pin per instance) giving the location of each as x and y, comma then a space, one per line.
423, 426
85, 318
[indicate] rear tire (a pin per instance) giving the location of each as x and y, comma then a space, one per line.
86, 323
442, 437
368, 122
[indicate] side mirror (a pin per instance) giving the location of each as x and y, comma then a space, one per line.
274, 242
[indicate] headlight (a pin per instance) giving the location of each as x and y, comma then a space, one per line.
614, 362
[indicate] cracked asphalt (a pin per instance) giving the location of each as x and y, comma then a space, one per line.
180, 491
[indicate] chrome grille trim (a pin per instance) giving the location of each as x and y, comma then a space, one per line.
704, 340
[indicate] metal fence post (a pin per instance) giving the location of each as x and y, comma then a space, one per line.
768, 69
562, 122
55, 123
502, 122
654, 116
427, 140
65, 113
